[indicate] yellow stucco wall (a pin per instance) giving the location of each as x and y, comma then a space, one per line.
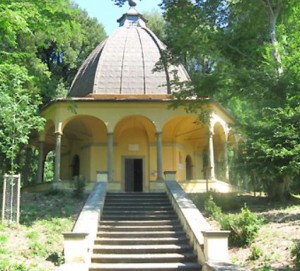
134, 125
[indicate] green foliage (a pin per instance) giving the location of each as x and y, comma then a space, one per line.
256, 253
245, 55
295, 252
156, 23
38, 249
3, 239
32, 235
49, 167
243, 226
19, 111
42, 43
5, 264
211, 208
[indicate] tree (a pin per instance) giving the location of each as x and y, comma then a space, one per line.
156, 23
42, 43
242, 53
19, 103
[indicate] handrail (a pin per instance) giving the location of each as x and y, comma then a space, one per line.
78, 244
203, 238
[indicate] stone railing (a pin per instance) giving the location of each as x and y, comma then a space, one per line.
210, 245
78, 243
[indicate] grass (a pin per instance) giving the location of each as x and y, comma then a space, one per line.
272, 249
36, 244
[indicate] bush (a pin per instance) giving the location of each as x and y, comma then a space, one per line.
243, 227
256, 253
296, 254
211, 208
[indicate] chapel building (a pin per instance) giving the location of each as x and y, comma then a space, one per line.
117, 125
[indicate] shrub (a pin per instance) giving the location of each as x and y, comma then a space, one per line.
256, 253
296, 254
211, 208
243, 226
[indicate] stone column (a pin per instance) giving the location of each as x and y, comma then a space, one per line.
211, 156
41, 162
57, 157
110, 152
159, 157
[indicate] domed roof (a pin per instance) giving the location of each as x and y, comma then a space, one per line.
124, 63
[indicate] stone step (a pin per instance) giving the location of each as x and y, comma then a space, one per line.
133, 203
141, 231
141, 249
145, 267
140, 223
136, 212
138, 228
136, 195
144, 258
141, 240
144, 234
149, 207
137, 217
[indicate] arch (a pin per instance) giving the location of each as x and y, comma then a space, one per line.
133, 138
137, 122
184, 135
48, 169
86, 137
85, 126
185, 128
188, 168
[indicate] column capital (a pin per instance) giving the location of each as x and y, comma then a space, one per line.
58, 133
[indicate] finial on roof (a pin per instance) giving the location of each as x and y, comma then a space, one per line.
132, 3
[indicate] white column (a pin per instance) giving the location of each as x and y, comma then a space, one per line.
226, 167
57, 157
159, 157
110, 152
211, 156
41, 162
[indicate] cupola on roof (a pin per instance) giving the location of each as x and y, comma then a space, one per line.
124, 63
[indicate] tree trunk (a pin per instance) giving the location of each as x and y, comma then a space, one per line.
27, 164
280, 189
273, 11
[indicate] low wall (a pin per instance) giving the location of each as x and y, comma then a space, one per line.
201, 186
78, 244
211, 246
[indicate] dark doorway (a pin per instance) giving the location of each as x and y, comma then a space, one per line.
133, 175
189, 168
75, 166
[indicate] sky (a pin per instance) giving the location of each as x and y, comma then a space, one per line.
107, 12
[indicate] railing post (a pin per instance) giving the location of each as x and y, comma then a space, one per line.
216, 246
75, 247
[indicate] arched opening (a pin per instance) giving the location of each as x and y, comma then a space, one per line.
48, 169
188, 168
132, 137
76, 166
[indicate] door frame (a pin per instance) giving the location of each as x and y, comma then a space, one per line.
124, 157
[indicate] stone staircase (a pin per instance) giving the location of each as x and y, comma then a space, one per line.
141, 231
